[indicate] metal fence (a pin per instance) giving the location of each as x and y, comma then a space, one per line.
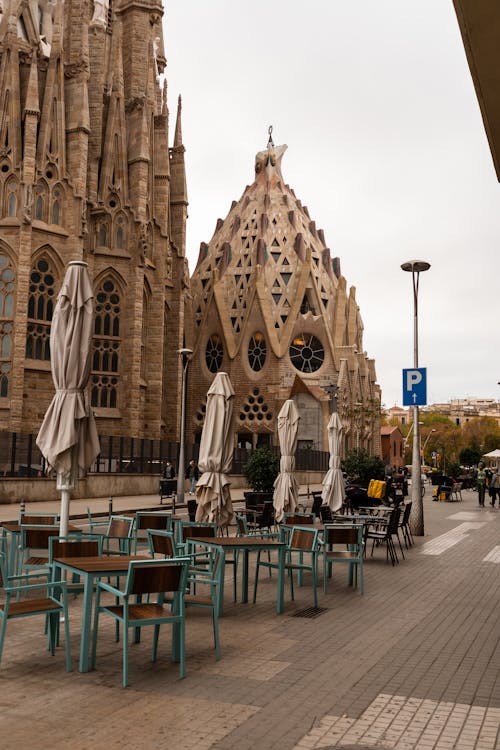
20, 456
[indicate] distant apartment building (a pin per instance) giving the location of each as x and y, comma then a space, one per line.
459, 411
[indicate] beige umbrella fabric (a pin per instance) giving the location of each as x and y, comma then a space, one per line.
286, 488
68, 436
333, 492
216, 454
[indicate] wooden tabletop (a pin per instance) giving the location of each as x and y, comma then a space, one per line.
236, 541
100, 564
15, 527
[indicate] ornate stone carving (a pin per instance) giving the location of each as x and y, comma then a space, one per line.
71, 70
28, 202
136, 103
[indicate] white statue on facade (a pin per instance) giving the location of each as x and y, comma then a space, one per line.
100, 17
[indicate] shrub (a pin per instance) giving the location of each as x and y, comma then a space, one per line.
261, 470
360, 466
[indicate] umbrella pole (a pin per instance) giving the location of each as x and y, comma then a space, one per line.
63, 523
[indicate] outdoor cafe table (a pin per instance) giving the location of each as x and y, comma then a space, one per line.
245, 544
91, 569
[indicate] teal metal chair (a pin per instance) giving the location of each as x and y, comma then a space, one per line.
343, 543
301, 542
120, 530
161, 543
96, 522
155, 520
34, 548
146, 577
52, 604
208, 579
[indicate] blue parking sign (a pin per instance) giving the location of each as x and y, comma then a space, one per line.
415, 386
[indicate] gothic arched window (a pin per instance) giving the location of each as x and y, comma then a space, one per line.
214, 353
11, 197
41, 201
7, 290
120, 232
41, 302
105, 359
57, 195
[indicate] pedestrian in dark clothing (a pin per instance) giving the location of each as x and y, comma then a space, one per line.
193, 474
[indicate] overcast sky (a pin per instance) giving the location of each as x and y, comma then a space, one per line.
386, 147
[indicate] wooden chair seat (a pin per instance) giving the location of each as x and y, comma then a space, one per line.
147, 611
31, 606
38, 561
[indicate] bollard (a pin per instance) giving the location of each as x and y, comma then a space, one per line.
110, 507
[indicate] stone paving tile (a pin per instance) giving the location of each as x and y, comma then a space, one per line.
416, 659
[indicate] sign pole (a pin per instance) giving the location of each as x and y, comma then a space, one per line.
417, 509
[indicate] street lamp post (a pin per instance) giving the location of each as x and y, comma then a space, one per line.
416, 267
425, 443
181, 469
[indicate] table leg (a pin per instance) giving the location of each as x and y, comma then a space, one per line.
220, 603
281, 580
86, 623
244, 577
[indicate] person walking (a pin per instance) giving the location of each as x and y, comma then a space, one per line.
193, 474
481, 483
494, 488
168, 471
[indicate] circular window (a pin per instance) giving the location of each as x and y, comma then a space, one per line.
257, 352
214, 353
306, 352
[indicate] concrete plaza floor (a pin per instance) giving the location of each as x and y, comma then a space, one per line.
414, 663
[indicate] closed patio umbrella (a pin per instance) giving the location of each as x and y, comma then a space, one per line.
68, 436
286, 488
333, 492
216, 454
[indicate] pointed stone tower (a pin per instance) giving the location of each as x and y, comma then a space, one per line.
271, 308
85, 173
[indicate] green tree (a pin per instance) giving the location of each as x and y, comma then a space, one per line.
360, 466
470, 456
261, 470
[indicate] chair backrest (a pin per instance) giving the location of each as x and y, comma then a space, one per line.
406, 514
393, 523
317, 503
192, 506
39, 519
303, 540
297, 519
241, 525
75, 547
161, 543
153, 520
325, 513
202, 529
266, 518
157, 576
37, 537
343, 534
121, 527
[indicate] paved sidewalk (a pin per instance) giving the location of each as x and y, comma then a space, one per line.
412, 664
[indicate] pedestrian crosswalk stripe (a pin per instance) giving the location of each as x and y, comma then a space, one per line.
443, 542
493, 556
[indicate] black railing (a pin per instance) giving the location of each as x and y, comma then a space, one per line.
21, 457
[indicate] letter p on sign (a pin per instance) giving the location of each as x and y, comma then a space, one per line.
415, 386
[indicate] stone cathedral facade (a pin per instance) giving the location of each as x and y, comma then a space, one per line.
86, 174
270, 307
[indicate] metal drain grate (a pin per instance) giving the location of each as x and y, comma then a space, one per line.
310, 612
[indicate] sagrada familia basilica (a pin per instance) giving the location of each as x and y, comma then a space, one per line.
87, 173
